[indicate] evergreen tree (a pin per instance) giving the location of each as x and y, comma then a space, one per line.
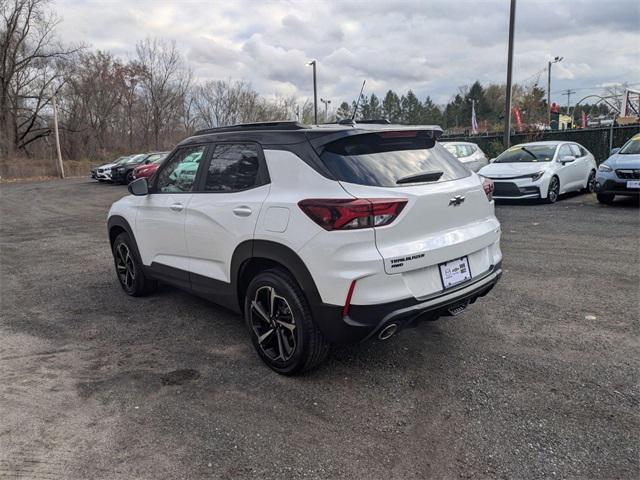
391, 107
364, 109
343, 111
411, 109
431, 114
375, 108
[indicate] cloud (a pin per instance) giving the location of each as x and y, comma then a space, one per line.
430, 47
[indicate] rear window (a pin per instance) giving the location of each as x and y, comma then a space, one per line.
382, 159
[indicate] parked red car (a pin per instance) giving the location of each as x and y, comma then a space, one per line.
147, 169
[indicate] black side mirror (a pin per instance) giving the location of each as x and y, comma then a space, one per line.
139, 187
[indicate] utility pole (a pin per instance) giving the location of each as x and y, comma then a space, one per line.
326, 103
57, 135
555, 60
568, 92
507, 106
315, 93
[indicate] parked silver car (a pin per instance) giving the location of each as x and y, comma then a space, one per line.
468, 153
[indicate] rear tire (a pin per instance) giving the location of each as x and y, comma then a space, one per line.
554, 190
129, 178
606, 198
281, 326
129, 268
591, 183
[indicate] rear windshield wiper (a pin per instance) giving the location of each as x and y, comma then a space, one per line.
420, 177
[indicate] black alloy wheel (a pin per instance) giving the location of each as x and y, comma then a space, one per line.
554, 190
280, 323
591, 182
129, 269
273, 324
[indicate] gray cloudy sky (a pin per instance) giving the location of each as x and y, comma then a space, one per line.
429, 46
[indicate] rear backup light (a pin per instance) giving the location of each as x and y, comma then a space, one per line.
488, 186
343, 214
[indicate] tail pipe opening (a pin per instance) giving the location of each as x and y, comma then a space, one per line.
388, 331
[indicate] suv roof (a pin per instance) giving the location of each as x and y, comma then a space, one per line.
291, 132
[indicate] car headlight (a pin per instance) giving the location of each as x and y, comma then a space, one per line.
605, 168
537, 176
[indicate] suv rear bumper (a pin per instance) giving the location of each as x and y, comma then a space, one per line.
366, 321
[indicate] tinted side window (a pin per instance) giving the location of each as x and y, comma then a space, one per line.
233, 167
179, 174
565, 151
575, 149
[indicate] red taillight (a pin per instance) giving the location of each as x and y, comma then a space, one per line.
339, 214
488, 186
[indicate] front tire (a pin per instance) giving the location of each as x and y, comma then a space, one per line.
606, 198
279, 321
129, 178
129, 268
554, 190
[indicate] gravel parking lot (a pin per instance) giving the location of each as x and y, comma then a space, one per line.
537, 380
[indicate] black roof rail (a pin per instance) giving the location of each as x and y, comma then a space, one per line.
279, 125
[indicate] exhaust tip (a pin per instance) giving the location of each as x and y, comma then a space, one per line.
387, 332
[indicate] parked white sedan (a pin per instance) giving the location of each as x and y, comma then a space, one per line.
541, 170
468, 153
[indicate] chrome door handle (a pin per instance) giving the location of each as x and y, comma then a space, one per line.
177, 207
242, 211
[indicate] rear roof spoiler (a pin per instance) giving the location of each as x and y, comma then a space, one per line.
434, 131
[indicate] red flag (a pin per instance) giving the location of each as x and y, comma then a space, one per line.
516, 114
584, 120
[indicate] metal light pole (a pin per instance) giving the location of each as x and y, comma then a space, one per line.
507, 106
315, 93
326, 104
555, 60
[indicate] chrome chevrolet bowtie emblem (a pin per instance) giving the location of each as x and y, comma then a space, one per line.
457, 200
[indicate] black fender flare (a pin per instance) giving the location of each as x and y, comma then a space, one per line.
121, 222
266, 249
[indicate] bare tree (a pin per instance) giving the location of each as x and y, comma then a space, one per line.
164, 82
30, 58
220, 103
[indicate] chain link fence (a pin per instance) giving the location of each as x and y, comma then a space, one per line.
596, 140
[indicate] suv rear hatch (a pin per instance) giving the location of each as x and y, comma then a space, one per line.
447, 215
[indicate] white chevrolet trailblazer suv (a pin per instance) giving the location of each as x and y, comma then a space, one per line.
316, 235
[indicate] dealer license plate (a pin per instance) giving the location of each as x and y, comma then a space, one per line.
454, 272
633, 183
